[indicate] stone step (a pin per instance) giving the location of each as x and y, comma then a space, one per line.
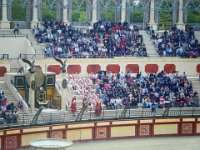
79, 97
39, 48
195, 84
149, 45
197, 35
6, 31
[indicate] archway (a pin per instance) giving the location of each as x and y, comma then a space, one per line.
19, 13
165, 14
138, 12
108, 10
80, 10
50, 9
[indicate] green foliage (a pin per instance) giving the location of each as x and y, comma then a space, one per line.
18, 13
194, 17
136, 16
165, 18
78, 16
49, 14
108, 15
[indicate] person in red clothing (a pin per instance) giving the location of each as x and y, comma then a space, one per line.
106, 86
98, 108
73, 105
123, 42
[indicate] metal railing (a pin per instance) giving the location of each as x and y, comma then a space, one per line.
13, 35
60, 116
4, 56
82, 56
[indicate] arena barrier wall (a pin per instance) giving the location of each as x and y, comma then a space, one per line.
101, 130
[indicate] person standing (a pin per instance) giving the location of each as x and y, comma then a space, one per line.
73, 105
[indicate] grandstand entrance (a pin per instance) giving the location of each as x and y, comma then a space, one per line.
44, 87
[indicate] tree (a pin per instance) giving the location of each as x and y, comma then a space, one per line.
136, 16
18, 11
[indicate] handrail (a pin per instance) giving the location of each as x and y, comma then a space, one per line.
4, 56
43, 56
61, 116
13, 35
16, 94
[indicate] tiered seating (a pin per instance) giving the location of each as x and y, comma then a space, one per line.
159, 89
104, 39
8, 110
176, 43
151, 90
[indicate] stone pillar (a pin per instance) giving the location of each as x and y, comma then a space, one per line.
39, 10
180, 24
123, 11
152, 16
32, 93
4, 23
175, 9
34, 21
65, 11
88, 12
94, 11
28, 12
64, 100
58, 11
128, 10
70, 3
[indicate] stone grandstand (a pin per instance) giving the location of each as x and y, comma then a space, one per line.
86, 70
39, 47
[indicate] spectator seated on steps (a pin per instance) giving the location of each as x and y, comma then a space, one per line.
16, 29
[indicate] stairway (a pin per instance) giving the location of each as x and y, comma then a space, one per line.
39, 47
7, 92
6, 31
197, 35
151, 51
196, 85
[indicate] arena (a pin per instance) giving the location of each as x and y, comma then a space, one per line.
100, 73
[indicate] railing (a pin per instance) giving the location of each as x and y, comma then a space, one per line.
44, 56
22, 24
61, 117
4, 56
108, 56
196, 26
13, 35
27, 56
15, 93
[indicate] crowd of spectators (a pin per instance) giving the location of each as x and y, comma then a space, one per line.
8, 110
116, 91
176, 42
151, 90
103, 39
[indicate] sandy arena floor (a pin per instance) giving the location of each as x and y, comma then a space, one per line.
155, 143
161, 143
